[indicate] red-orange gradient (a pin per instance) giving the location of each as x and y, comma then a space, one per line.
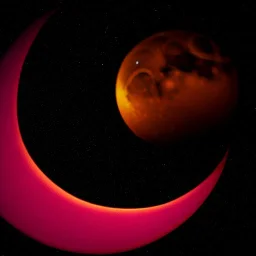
175, 84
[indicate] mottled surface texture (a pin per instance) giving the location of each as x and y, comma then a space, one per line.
175, 83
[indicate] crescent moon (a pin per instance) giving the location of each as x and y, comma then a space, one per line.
36, 206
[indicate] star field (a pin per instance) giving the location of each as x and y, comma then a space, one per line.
73, 130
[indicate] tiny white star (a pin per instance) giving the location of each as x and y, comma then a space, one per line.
137, 62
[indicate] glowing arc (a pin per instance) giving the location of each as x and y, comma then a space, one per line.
45, 212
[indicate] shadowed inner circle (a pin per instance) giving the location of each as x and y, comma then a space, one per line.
73, 131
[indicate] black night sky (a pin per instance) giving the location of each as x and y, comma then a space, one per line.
72, 128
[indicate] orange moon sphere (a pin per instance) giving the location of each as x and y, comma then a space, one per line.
175, 84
